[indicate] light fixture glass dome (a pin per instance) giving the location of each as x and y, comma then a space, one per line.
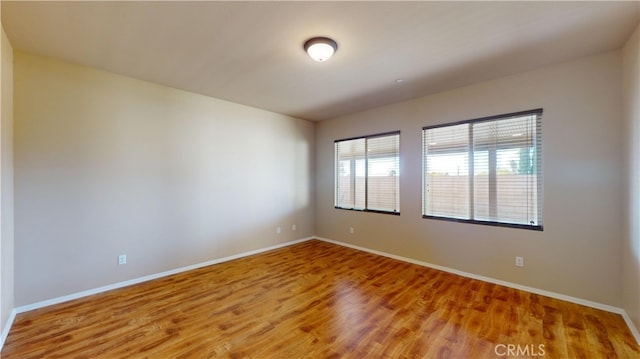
320, 48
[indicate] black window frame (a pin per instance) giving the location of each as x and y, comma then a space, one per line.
539, 176
366, 195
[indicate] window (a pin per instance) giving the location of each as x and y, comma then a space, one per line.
486, 171
368, 173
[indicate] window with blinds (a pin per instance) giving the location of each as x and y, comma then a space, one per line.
486, 171
368, 173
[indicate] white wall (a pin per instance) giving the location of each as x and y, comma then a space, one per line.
631, 247
108, 165
6, 181
578, 253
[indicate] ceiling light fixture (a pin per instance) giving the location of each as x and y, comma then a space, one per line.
320, 48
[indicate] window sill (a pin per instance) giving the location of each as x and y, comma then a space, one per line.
487, 223
369, 211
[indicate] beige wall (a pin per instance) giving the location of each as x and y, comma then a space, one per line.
578, 253
108, 165
631, 244
6, 181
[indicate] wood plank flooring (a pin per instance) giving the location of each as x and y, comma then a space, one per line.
318, 300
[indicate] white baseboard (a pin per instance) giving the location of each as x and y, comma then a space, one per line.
73, 296
564, 297
48, 302
631, 325
7, 328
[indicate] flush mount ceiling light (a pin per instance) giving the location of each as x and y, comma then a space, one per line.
320, 48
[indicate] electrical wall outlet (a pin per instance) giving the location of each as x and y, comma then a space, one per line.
122, 259
293, 227
519, 262
351, 230
278, 230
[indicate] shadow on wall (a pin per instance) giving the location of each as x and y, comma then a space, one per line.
108, 165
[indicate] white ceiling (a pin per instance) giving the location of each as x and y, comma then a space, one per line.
251, 52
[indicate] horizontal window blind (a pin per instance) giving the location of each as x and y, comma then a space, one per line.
368, 172
446, 171
350, 174
486, 170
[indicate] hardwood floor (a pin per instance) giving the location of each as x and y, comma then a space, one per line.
318, 300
